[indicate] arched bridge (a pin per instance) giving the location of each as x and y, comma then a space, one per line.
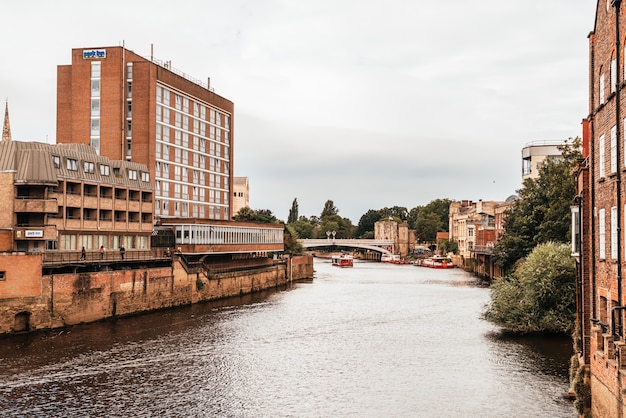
382, 246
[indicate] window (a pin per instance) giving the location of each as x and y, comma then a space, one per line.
105, 170
145, 177
88, 167
613, 149
132, 174
601, 156
614, 235
613, 75
601, 87
602, 233
71, 164
56, 161
3, 276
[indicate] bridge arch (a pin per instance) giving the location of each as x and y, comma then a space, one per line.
380, 246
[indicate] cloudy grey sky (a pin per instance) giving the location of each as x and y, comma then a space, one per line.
366, 103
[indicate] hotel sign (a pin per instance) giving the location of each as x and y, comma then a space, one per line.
33, 234
94, 53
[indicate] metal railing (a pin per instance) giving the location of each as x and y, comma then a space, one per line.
95, 256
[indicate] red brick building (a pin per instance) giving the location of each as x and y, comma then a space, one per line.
132, 108
598, 221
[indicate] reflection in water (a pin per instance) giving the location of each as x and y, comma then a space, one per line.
376, 341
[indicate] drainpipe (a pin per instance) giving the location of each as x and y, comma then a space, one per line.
618, 182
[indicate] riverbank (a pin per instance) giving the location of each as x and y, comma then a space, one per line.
37, 301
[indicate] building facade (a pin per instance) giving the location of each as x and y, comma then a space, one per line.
598, 218
131, 108
65, 197
535, 153
241, 194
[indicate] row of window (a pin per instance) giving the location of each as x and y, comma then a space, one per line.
105, 170
613, 228
213, 234
190, 107
94, 242
104, 215
613, 149
169, 207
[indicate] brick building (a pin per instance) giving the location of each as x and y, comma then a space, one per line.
128, 107
65, 197
598, 216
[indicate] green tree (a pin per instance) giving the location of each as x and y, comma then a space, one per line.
245, 214
540, 294
448, 246
292, 245
366, 223
542, 213
412, 218
293, 212
329, 209
303, 227
342, 226
428, 224
440, 207
399, 212
264, 216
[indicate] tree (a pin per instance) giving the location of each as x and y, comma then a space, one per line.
293, 212
440, 207
428, 224
292, 245
448, 246
366, 223
342, 226
303, 228
399, 212
329, 209
542, 213
264, 216
540, 294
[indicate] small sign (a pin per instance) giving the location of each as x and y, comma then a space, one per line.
33, 234
94, 53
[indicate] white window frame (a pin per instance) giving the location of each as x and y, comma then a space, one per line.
614, 149
614, 236
602, 233
601, 156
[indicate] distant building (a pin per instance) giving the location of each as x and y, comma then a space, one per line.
241, 194
132, 108
535, 153
402, 238
65, 197
473, 228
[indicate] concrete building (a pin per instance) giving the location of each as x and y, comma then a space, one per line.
241, 194
535, 153
132, 108
65, 197
598, 221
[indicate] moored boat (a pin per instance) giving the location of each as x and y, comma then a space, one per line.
343, 260
437, 262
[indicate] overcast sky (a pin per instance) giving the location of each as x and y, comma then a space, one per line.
366, 103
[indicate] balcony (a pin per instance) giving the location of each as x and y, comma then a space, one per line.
35, 206
482, 249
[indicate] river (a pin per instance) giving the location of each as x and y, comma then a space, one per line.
376, 340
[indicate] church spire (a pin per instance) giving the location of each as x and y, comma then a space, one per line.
6, 128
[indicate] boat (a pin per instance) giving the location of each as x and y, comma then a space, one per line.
393, 259
343, 260
437, 262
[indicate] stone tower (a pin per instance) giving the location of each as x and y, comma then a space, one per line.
6, 128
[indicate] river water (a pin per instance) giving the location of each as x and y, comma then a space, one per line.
377, 340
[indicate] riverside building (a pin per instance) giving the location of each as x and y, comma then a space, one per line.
598, 240
66, 197
131, 108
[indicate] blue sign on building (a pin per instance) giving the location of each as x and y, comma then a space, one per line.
94, 53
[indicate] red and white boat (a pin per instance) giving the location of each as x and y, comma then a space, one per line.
437, 262
343, 260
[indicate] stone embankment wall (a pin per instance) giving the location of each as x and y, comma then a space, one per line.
30, 301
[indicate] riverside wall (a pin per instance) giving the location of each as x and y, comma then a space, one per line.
31, 301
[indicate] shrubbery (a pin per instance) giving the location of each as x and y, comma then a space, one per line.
540, 294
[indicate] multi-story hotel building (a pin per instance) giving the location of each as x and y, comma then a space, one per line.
65, 197
128, 107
